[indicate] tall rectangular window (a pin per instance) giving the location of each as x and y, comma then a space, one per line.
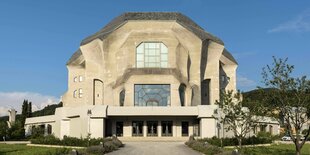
152, 55
152, 95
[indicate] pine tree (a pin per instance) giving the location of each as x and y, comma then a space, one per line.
29, 110
24, 111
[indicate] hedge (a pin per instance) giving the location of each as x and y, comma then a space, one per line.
234, 141
95, 145
68, 141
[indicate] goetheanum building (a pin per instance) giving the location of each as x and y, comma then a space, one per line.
152, 74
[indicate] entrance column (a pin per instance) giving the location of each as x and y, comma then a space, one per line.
159, 129
45, 129
144, 129
207, 127
97, 127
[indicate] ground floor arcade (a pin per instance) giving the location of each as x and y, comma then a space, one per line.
152, 126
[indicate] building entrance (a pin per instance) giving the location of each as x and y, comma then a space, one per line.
137, 128
166, 128
119, 129
152, 128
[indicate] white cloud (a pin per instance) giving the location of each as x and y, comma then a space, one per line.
301, 23
15, 99
245, 82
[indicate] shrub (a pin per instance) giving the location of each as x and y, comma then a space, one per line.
203, 147
234, 141
50, 140
68, 141
117, 142
98, 149
72, 141
109, 146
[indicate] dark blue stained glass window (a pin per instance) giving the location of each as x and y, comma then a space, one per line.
152, 95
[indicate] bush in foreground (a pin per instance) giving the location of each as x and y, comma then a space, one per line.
110, 144
203, 147
95, 145
260, 139
69, 141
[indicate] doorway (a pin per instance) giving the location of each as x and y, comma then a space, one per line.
152, 128
184, 128
119, 129
166, 128
137, 128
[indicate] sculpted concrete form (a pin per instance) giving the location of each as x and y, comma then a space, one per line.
144, 74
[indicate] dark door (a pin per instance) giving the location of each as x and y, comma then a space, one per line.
166, 128
184, 128
108, 128
119, 129
152, 128
137, 128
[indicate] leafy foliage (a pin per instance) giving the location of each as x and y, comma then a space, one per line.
203, 147
48, 110
239, 119
72, 141
234, 141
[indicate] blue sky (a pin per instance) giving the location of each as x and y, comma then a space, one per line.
37, 37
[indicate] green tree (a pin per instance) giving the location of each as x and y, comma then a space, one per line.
289, 100
3, 129
238, 119
29, 110
24, 111
17, 131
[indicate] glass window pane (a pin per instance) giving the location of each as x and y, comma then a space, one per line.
140, 64
140, 57
151, 45
164, 49
152, 54
152, 95
140, 48
164, 64
164, 57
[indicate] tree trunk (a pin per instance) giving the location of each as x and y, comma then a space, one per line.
240, 143
298, 148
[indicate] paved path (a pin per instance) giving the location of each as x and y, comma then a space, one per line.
155, 148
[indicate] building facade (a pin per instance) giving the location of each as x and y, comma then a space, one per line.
149, 74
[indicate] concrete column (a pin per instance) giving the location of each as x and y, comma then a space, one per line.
127, 128
97, 128
159, 129
64, 128
174, 129
174, 98
208, 127
144, 129
190, 128
45, 129
113, 127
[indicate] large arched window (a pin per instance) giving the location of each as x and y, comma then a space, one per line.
152, 55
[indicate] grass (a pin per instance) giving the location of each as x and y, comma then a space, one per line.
22, 149
281, 149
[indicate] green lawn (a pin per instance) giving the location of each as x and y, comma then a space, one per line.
21, 149
282, 149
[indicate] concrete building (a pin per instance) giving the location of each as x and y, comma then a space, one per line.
148, 74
